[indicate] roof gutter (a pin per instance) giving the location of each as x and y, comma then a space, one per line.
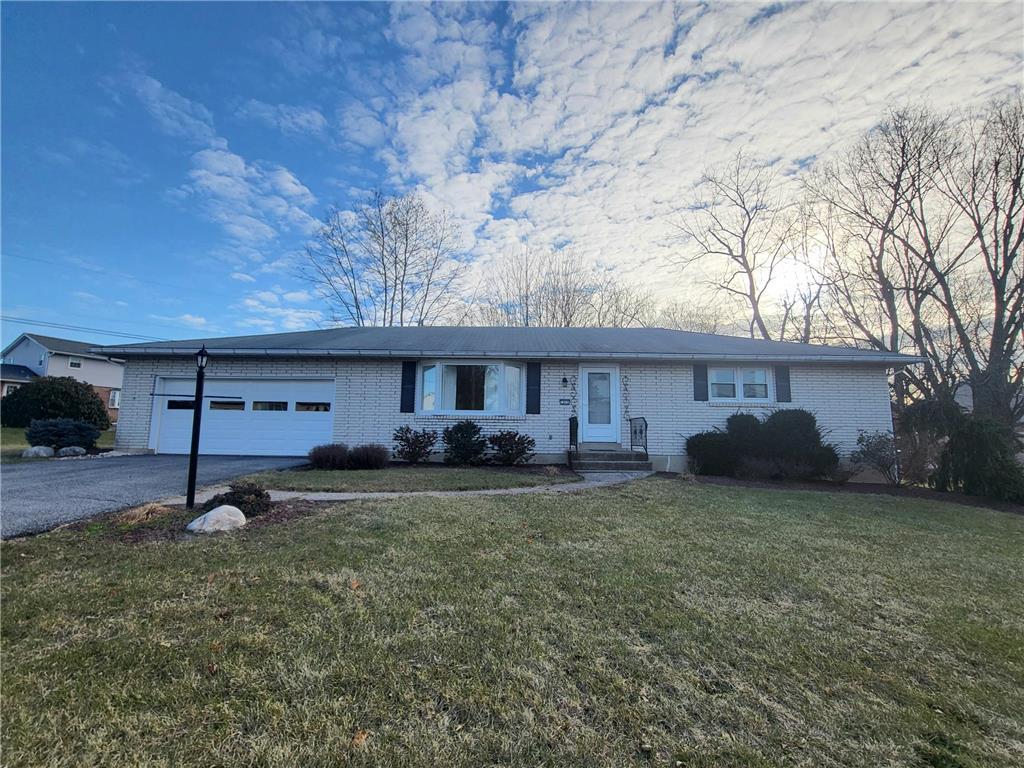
861, 357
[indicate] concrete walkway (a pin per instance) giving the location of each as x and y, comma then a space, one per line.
590, 480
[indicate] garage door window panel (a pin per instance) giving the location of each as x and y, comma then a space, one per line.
227, 405
181, 405
270, 405
313, 407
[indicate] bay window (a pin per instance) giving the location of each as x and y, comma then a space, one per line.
738, 384
471, 388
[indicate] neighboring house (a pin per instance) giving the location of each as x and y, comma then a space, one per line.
13, 376
50, 356
281, 394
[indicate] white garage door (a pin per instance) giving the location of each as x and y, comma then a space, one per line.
246, 417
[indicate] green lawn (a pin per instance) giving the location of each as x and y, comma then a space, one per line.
651, 623
12, 442
421, 478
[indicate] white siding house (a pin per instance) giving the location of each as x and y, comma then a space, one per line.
281, 394
50, 356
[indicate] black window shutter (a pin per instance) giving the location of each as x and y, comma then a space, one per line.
408, 386
700, 381
533, 387
783, 391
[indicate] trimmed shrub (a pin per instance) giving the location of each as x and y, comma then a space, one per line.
464, 443
61, 433
745, 431
251, 498
53, 397
791, 437
413, 445
370, 456
332, 456
712, 453
511, 447
787, 445
877, 451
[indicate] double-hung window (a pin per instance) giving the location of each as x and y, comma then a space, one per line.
738, 384
472, 388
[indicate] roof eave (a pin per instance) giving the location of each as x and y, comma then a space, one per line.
861, 357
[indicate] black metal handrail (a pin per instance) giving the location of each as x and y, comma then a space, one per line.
574, 438
638, 433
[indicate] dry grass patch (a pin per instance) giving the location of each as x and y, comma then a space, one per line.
142, 514
412, 478
658, 623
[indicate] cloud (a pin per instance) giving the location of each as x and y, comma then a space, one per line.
285, 118
591, 123
361, 125
192, 321
173, 113
264, 312
267, 297
253, 202
297, 297
100, 157
243, 277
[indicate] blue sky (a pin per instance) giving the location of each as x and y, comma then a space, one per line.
164, 163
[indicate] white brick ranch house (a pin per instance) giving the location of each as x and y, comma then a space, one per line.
281, 394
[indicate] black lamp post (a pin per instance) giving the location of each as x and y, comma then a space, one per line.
202, 356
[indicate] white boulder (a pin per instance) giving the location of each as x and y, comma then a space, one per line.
37, 452
222, 518
72, 450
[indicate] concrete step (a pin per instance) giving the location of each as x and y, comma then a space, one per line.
612, 466
592, 455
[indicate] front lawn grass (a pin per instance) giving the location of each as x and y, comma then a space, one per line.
418, 478
13, 442
656, 623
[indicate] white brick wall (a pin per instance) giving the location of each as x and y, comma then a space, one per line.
845, 398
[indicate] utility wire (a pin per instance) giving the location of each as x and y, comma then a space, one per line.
113, 273
67, 327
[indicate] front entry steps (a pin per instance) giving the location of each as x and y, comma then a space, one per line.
588, 460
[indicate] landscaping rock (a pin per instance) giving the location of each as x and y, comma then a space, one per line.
71, 450
222, 518
37, 452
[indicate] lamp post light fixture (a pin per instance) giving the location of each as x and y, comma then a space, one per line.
202, 357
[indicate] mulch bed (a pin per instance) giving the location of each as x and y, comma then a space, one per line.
877, 488
171, 526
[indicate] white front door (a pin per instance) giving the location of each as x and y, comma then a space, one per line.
599, 404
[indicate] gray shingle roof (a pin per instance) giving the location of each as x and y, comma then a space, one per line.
472, 341
67, 346
11, 372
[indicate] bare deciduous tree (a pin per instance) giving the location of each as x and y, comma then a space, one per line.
390, 262
738, 231
922, 226
543, 288
696, 316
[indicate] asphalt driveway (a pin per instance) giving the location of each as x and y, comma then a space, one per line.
36, 496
